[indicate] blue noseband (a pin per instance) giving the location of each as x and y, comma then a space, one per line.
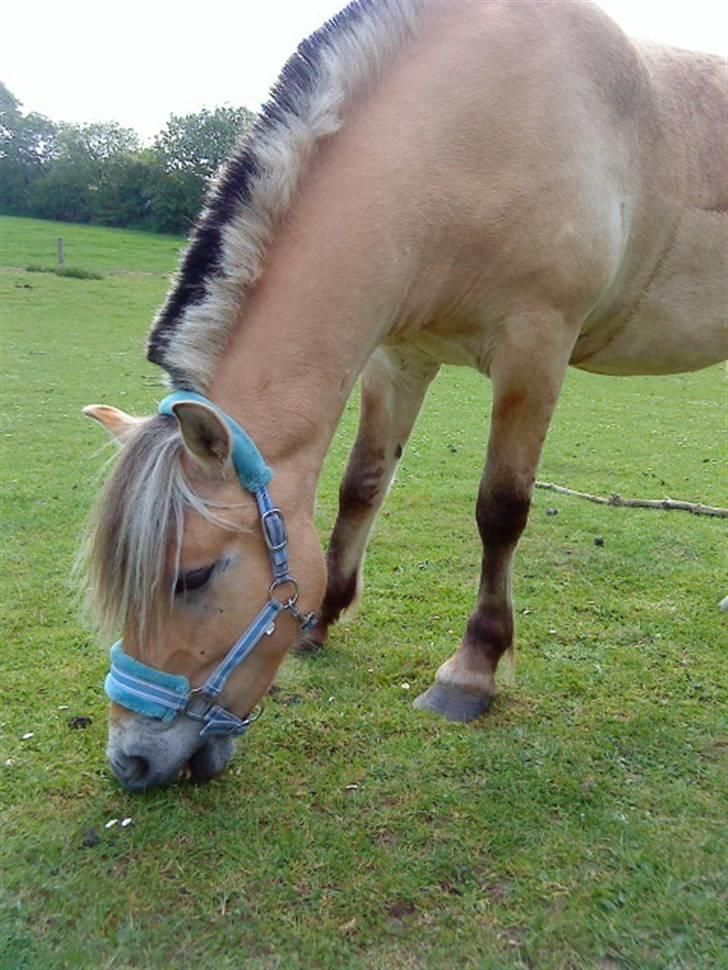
162, 696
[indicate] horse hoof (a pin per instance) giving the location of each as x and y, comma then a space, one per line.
453, 703
307, 645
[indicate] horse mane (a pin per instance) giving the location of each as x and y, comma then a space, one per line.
140, 512
334, 67
137, 518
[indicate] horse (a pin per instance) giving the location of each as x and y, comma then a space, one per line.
514, 187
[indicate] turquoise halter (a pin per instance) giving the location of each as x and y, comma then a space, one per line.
162, 696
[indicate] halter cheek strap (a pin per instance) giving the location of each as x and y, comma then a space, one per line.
163, 696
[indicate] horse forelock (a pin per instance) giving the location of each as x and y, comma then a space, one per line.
138, 517
331, 69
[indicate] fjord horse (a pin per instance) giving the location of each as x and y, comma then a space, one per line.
516, 187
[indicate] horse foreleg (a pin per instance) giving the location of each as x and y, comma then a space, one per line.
525, 390
393, 386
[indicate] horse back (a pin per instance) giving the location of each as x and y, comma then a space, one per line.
570, 164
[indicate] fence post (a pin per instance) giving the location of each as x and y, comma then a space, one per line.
59, 248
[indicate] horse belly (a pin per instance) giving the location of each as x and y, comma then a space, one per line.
678, 321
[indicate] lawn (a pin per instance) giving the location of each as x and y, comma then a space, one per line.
32, 242
579, 825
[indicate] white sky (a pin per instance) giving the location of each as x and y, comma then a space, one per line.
136, 62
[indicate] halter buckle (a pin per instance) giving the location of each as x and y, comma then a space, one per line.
198, 694
264, 519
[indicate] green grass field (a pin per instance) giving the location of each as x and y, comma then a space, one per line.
579, 825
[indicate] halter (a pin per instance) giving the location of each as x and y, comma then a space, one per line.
162, 696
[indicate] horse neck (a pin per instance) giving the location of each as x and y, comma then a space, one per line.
333, 285
355, 260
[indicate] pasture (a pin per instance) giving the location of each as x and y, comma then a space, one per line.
576, 826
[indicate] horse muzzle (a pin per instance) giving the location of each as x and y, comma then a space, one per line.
144, 753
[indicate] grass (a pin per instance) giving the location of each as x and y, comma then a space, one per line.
73, 272
32, 242
579, 825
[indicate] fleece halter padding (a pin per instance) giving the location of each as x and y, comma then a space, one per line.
248, 461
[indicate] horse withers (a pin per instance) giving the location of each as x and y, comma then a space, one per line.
515, 187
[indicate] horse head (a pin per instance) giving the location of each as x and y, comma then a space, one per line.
188, 555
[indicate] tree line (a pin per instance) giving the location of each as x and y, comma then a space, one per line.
101, 173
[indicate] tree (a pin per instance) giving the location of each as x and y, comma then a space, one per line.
10, 114
191, 149
94, 144
176, 200
28, 145
100, 173
85, 156
126, 191
63, 193
199, 143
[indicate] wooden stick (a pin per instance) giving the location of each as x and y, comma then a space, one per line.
695, 508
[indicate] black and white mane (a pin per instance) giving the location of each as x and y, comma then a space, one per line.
335, 66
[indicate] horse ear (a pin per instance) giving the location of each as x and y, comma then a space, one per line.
118, 423
205, 435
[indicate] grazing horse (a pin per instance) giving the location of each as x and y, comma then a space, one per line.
515, 187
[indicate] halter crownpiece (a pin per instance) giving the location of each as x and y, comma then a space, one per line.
163, 696
252, 471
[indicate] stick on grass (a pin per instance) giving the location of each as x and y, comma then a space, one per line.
667, 504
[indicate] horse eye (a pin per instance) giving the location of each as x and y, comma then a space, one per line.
195, 580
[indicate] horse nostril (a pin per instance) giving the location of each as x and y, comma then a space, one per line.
132, 771
137, 769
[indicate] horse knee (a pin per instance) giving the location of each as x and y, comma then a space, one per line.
501, 517
362, 486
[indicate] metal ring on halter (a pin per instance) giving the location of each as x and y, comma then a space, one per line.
304, 620
287, 604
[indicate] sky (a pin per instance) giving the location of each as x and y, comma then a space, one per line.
137, 62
